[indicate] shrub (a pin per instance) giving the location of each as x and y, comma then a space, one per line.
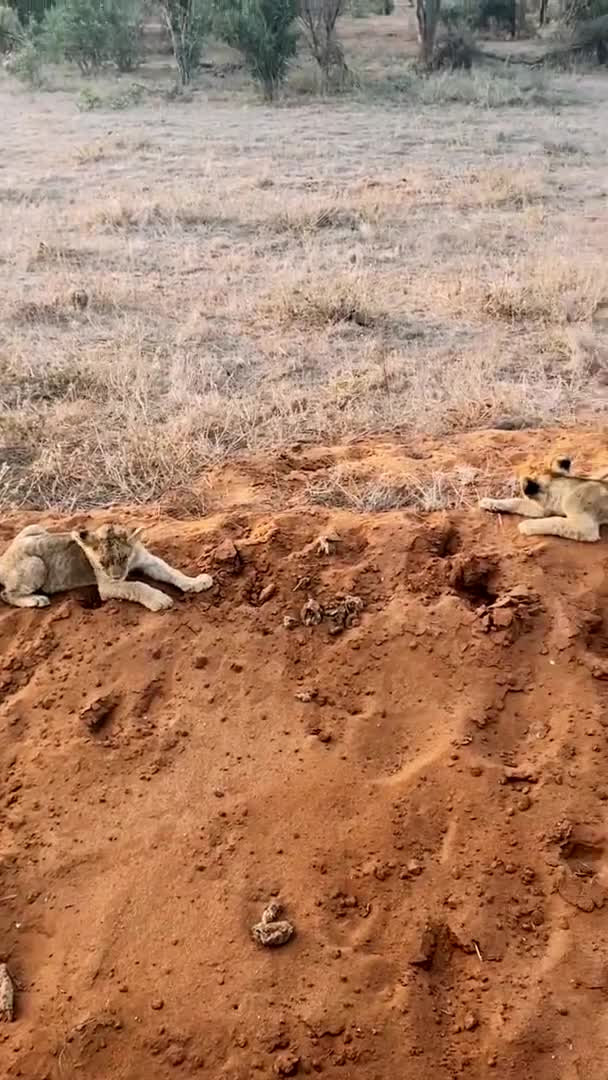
30, 10
126, 18
26, 63
264, 32
456, 16
11, 30
91, 32
188, 23
455, 50
497, 15
318, 21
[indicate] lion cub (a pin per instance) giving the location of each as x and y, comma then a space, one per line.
562, 504
38, 561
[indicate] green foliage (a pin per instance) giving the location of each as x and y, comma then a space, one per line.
188, 23
360, 9
11, 30
26, 63
126, 18
30, 10
496, 15
92, 32
577, 11
457, 16
264, 32
89, 99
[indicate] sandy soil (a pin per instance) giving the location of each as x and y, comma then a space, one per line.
423, 788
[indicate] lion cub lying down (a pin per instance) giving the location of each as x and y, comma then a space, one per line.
38, 561
563, 505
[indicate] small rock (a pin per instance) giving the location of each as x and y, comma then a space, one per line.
7, 996
267, 592
524, 803
272, 931
286, 1065
426, 951
305, 696
95, 715
157, 1004
470, 1021
289, 622
227, 554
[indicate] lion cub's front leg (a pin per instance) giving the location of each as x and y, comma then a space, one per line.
159, 570
137, 591
524, 507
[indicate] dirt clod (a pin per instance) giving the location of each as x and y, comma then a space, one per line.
99, 711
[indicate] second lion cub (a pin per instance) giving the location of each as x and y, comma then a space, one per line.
39, 562
560, 504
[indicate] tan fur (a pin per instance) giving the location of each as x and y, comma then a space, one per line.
561, 504
38, 562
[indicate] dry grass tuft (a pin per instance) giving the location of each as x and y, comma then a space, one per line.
318, 302
341, 488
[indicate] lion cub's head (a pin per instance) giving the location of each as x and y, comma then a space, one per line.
108, 548
536, 482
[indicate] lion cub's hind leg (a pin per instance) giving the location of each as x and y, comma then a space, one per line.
22, 581
582, 527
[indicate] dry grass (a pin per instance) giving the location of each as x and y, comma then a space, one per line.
342, 488
321, 270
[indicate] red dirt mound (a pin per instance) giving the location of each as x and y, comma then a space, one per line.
400, 734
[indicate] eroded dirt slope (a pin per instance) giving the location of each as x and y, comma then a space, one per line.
423, 784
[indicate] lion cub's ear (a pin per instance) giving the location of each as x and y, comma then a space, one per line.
81, 535
563, 464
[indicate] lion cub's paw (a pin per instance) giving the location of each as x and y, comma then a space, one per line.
201, 583
40, 601
159, 602
489, 504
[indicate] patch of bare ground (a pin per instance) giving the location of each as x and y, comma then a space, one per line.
206, 277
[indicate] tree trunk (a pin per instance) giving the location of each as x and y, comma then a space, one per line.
427, 17
177, 17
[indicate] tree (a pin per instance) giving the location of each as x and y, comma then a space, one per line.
91, 32
318, 21
29, 10
188, 23
264, 32
427, 17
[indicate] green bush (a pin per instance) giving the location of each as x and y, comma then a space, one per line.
92, 32
360, 9
456, 17
577, 11
30, 10
26, 63
264, 32
11, 30
500, 15
188, 23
